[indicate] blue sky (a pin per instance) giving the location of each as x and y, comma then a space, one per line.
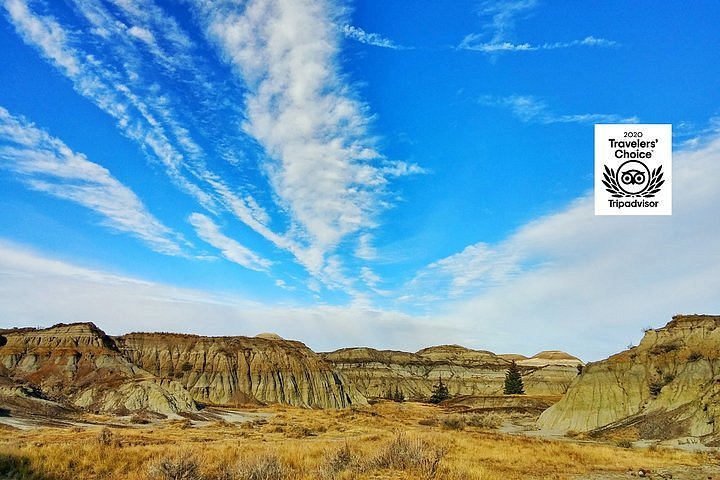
392, 174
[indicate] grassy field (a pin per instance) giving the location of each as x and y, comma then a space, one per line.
386, 441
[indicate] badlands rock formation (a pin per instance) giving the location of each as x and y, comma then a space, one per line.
378, 373
666, 387
232, 370
81, 366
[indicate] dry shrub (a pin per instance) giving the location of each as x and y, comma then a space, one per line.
403, 453
484, 420
179, 466
106, 438
263, 467
454, 422
299, 431
335, 462
428, 422
624, 444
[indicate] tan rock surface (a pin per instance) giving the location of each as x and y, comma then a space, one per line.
379, 373
79, 365
666, 387
235, 370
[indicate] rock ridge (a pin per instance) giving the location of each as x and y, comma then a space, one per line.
383, 373
668, 386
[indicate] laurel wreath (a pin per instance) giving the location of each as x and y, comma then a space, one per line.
653, 186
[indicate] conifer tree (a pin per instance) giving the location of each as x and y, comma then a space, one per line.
439, 393
513, 380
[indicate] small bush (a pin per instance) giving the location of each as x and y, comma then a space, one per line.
624, 444
263, 467
403, 453
106, 438
138, 419
656, 387
180, 466
336, 462
299, 431
454, 422
487, 420
429, 422
695, 356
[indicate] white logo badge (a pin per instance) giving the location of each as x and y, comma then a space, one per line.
633, 169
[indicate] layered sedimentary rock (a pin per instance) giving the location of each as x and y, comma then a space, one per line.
235, 370
80, 366
384, 373
666, 387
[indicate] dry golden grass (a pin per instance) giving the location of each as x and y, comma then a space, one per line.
385, 441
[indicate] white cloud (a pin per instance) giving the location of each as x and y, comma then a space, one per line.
499, 32
40, 291
533, 110
45, 33
474, 42
142, 34
322, 162
365, 248
46, 164
231, 249
589, 284
374, 39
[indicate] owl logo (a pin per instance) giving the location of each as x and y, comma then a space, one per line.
633, 179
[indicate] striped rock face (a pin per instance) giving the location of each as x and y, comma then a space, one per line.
665, 388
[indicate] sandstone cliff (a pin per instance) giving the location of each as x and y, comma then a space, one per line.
80, 366
233, 370
380, 373
666, 387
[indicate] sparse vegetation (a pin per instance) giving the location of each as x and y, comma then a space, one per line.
665, 348
106, 437
181, 465
263, 467
624, 444
386, 441
439, 393
695, 356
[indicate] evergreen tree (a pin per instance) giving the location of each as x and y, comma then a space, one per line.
513, 380
398, 396
439, 393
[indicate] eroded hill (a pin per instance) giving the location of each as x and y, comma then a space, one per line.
666, 387
382, 373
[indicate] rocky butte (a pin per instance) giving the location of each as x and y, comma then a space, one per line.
236, 370
79, 366
381, 373
667, 387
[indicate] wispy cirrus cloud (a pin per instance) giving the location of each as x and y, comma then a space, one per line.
113, 78
475, 42
530, 109
374, 39
231, 249
499, 32
322, 161
46, 164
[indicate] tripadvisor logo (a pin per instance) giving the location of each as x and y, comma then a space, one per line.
633, 179
633, 169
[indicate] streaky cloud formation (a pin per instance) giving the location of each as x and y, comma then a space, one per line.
499, 33
322, 161
46, 164
473, 42
533, 110
231, 249
374, 39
